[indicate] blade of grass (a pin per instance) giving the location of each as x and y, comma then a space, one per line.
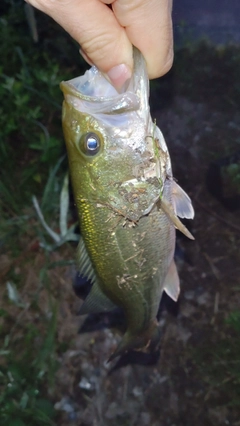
52, 234
49, 185
64, 205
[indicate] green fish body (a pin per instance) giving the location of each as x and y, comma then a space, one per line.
126, 199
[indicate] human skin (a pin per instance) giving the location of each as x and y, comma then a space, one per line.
107, 29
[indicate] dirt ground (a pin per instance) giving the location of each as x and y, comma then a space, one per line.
176, 389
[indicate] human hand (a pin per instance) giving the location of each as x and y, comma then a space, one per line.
106, 34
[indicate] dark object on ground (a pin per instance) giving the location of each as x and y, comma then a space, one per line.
81, 286
223, 181
136, 357
168, 304
103, 320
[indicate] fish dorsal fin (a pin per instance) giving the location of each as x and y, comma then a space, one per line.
96, 302
181, 202
84, 263
169, 211
171, 283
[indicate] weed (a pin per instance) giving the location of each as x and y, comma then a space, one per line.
32, 161
23, 380
231, 178
220, 363
31, 138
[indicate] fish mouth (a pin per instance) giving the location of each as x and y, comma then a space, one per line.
121, 103
86, 95
92, 92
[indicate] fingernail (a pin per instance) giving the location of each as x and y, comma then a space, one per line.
119, 76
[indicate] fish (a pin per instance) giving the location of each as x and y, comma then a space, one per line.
127, 200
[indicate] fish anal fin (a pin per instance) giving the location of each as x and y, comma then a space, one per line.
171, 283
181, 202
96, 302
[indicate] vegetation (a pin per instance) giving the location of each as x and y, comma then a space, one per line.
231, 176
219, 364
32, 162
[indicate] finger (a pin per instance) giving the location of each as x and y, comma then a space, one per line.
94, 26
148, 25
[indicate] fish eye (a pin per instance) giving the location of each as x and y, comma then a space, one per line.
90, 143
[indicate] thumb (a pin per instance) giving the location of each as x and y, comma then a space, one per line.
102, 39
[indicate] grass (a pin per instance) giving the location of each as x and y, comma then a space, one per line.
231, 177
32, 162
31, 138
219, 364
23, 380
24, 372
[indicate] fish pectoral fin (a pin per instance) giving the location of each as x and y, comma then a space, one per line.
96, 302
168, 210
181, 202
171, 284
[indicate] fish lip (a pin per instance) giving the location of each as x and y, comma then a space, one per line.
135, 97
68, 88
117, 104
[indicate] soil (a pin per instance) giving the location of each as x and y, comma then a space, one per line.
177, 388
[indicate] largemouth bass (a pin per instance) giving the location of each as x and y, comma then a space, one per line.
127, 200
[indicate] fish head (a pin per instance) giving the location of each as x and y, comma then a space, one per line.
113, 145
